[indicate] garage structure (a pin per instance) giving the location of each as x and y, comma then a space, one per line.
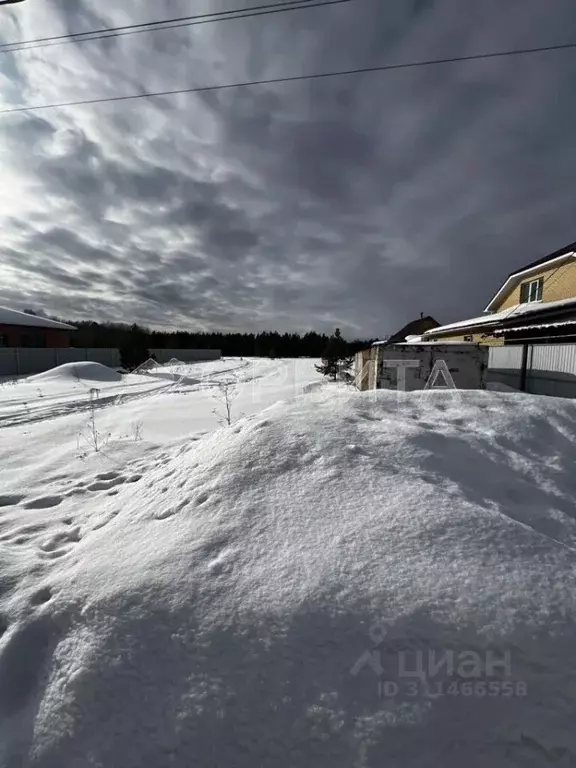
422, 365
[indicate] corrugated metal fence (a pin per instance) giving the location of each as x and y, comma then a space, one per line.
550, 368
24, 361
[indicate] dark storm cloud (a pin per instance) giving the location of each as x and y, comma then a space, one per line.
357, 202
63, 245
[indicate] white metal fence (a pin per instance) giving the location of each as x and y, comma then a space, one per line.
24, 361
550, 368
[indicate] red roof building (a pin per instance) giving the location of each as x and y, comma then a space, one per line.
21, 329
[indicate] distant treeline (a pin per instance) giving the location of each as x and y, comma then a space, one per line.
266, 344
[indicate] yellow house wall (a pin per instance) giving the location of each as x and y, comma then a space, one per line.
477, 338
559, 283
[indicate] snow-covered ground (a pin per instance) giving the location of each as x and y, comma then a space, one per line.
263, 594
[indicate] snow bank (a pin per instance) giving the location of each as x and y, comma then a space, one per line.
236, 600
83, 371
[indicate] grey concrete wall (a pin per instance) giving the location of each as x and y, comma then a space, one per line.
24, 361
186, 355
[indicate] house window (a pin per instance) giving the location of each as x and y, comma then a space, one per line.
468, 338
531, 290
3, 340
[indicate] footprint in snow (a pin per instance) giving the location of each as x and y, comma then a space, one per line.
41, 596
106, 485
104, 521
57, 478
21, 535
10, 500
31, 528
54, 554
164, 514
55, 542
44, 502
78, 491
108, 475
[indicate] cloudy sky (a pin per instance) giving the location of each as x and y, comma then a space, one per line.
356, 201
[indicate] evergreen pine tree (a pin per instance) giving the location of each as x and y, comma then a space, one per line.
334, 352
135, 351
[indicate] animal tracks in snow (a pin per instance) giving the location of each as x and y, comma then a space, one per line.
103, 521
198, 501
105, 485
171, 511
70, 535
59, 544
54, 536
108, 476
106, 481
109, 482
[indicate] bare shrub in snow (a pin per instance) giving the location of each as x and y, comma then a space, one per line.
226, 394
137, 431
90, 435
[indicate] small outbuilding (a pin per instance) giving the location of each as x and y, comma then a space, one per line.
422, 365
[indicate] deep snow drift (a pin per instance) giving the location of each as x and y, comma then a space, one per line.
81, 371
228, 600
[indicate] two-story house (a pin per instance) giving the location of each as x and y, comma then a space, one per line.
536, 303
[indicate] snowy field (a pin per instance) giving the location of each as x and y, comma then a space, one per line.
335, 580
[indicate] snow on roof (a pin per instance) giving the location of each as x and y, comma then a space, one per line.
15, 317
536, 326
436, 343
224, 608
496, 317
422, 341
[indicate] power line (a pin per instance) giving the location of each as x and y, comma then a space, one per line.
293, 78
158, 26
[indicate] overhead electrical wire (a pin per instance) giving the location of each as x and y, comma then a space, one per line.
164, 24
292, 79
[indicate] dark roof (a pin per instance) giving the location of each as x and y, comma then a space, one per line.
544, 259
415, 328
